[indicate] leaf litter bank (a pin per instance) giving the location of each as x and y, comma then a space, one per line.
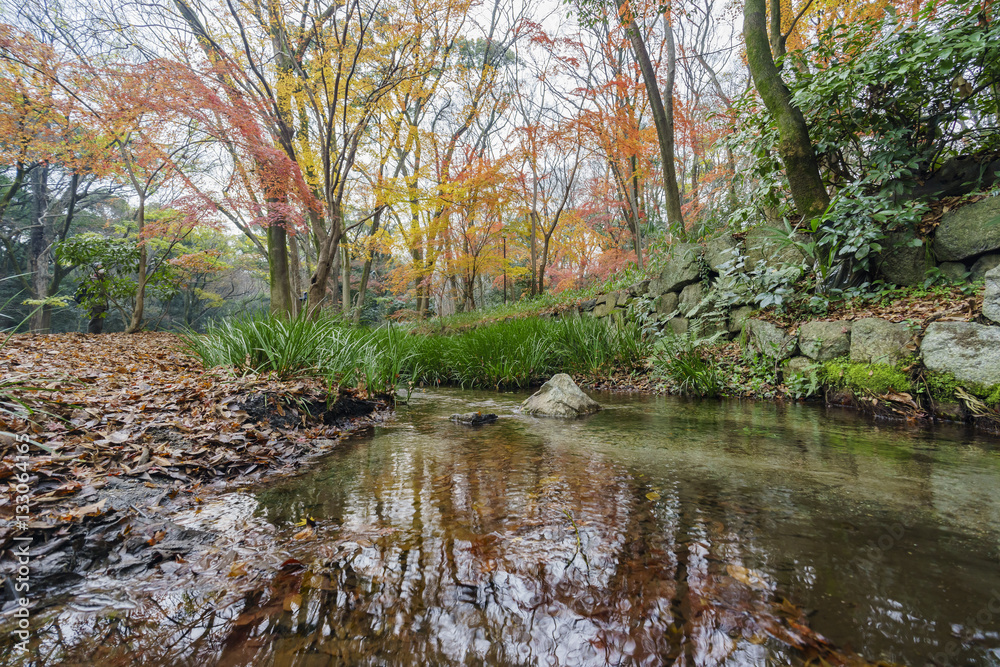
134, 432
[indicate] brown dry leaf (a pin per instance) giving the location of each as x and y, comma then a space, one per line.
746, 576
238, 569
94, 509
304, 534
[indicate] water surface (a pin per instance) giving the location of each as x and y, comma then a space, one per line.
659, 531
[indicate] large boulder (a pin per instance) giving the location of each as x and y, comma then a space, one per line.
991, 297
878, 341
681, 270
969, 351
968, 231
900, 262
802, 366
691, 296
763, 248
603, 309
720, 251
666, 303
983, 265
771, 340
560, 397
823, 341
639, 288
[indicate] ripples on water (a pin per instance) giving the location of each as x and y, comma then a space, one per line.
659, 531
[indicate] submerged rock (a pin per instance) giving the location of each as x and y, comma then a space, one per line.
560, 397
474, 418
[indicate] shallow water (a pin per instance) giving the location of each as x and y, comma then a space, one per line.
659, 531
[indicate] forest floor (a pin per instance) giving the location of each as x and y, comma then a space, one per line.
125, 429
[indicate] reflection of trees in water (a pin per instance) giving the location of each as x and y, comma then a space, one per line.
488, 553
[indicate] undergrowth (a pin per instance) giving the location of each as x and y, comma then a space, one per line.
506, 354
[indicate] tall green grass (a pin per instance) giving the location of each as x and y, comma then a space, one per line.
509, 354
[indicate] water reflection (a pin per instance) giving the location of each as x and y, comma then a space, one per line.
657, 532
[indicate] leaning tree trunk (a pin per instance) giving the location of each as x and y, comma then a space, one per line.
794, 145
664, 124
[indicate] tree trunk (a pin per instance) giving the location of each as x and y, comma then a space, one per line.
295, 269
345, 277
366, 270
794, 145
545, 262
40, 247
140, 293
663, 122
277, 254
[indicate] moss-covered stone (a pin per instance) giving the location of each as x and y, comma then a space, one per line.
900, 263
872, 379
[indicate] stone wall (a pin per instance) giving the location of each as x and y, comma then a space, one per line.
699, 291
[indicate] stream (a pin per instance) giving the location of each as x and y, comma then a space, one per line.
658, 531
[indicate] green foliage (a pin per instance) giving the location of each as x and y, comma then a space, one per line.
888, 103
804, 384
111, 265
509, 354
871, 379
886, 100
941, 386
261, 343
685, 361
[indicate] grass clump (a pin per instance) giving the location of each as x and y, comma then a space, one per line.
262, 343
682, 360
872, 379
513, 353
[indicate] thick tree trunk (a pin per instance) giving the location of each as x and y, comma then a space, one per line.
794, 145
140, 293
327, 263
277, 254
663, 122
